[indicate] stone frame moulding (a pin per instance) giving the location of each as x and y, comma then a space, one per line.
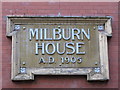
100, 73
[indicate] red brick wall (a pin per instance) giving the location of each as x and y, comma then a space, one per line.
1, 46
65, 9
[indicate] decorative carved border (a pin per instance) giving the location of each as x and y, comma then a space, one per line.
99, 73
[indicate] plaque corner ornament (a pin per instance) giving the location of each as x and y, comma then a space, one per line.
99, 71
97, 75
19, 77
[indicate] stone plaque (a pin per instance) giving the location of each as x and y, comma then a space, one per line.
59, 46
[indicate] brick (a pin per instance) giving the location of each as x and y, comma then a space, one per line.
41, 4
76, 7
112, 43
42, 7
10, 4
90, 3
